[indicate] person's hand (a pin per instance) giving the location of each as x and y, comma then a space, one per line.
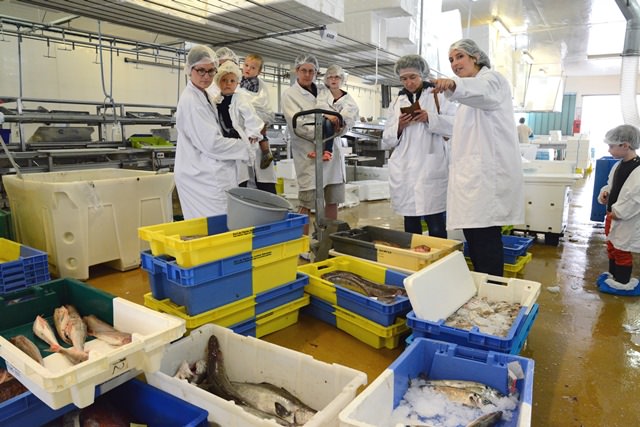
420, 116
326, 156
253, 139
443, 85
603, 198
613, 215
311, 154
403, 121
335, 121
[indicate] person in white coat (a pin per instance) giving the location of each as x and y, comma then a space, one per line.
622, 197
419, 164
236, 115
262, 170
205, 163
301, 96
486, 184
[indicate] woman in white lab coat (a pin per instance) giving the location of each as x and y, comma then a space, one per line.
486, 185
419, 164
205, 164
301, 96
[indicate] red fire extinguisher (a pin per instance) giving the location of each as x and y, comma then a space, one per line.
576, 126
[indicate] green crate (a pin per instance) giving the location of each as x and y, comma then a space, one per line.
6, 227
139, 141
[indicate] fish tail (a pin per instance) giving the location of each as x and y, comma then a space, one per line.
54, 348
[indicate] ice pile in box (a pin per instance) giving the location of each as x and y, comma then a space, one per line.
58, 382
325, 387
379, 324
203, 272
439, 360
439, 290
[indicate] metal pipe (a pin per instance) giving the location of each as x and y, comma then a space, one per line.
628, 79
631, 11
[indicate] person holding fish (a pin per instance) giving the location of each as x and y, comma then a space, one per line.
417, 129
486, 184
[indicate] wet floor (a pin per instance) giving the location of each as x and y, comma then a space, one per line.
585, 344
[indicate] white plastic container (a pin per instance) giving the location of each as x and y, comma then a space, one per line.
88, 217
372, 189
57, 384
325, 387
285, 169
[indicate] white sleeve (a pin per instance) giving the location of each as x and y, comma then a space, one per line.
390, 134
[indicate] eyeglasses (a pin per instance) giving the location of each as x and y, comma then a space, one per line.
201, 71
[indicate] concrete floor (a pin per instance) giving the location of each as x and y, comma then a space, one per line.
585, 344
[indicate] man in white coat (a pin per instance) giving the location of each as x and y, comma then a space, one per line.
301, 96
486, 185
205, 164
419, 164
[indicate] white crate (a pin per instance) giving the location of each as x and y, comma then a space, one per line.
88, 217
371, 173
325, 387
58, 384
372, 189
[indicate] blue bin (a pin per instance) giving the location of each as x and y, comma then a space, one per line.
603, 167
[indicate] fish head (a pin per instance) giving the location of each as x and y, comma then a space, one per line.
283, 412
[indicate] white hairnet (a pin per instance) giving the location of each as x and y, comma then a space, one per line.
416, 62
624, 133
470, 47
226, 68
334, 70
200, 54
224, 53
306, 58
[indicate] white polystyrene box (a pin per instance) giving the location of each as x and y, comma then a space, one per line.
88, 217
58, 383
325, 387
372, 189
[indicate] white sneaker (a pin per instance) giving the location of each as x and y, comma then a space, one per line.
622, 286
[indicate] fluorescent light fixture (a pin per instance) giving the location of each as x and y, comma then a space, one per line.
501, 27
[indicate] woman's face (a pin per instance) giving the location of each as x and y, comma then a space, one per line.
306, 74
410, 79
462, 64
334, 82
202, 75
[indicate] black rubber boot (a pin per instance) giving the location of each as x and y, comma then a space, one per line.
612, 267
623, 274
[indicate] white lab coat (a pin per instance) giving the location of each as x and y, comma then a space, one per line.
625, 231
205, 163
486, 185
419, 164
350, 112
294, 100
262, 105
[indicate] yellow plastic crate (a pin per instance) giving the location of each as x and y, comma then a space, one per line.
324, 289
371, 333
167, 239
276, 265
226, 315
412, 260
511, 270
9, 250
281, 317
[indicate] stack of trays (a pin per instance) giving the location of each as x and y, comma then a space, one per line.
21, 266
244, 279
373, 322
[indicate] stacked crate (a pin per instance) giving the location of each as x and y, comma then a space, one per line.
371, 321
244, 279
21, 266
516, 256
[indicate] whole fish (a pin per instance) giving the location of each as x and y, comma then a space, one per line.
275, 400
382, 292
217, 381
468, 393
105, 332
487, 420
42, 329
60, 320
27, 346
75, 328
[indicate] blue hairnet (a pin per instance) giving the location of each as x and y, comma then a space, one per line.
200, 54
416, 62
470, 47
624, 133
224, 54
333, 70
306, 58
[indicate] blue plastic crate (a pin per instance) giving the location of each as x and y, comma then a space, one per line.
376, 311
246, 327
30, 268
281, 295
321, 310
27, 410
200, 288
440, 360
511, 343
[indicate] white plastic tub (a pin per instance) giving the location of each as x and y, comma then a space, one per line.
88, 217
328, 388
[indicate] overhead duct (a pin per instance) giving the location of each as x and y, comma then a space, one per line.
630, 55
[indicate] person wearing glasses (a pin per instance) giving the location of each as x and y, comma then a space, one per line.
302, 96
205, 163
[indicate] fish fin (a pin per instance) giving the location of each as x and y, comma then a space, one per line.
281, 411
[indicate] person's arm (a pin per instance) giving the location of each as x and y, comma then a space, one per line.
442, 123
252, 122
628, 203
392, 131
291, 106
485, 91
603, 195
